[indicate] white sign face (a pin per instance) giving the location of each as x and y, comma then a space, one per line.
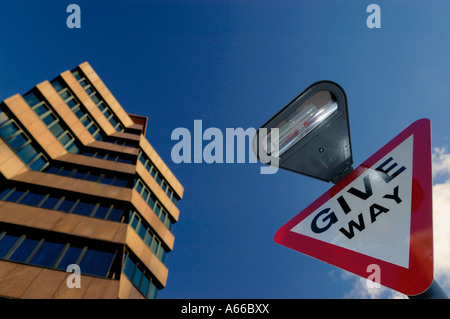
371, 215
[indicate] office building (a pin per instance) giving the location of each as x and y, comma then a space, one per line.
81, 185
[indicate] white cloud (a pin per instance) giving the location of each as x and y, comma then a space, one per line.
441, 234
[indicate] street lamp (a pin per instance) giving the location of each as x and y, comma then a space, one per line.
310, 135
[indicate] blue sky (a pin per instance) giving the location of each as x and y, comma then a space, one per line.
234, 64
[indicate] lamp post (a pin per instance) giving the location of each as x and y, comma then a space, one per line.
313, 134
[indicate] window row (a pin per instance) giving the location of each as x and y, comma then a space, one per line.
79, 110
139, 276
150, 167
19, 247
98, 100
22, 145
90, 175
53, 122
108, 156
67, 204
153, 202
147, 235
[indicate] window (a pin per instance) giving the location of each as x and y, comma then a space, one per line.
78, 109
153, 202
24, 147
23, 251
51, 120
47, 254
96, 262
139, 276
98, 100
55, 252
6, 243
71, 256
147, 235
143, 158
66, 204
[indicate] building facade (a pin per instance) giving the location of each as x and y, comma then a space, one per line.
81, 185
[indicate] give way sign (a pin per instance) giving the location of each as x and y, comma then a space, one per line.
381, 213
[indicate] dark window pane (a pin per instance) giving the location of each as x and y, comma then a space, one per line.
72, 148
7, 130
144, 285
141, 231
4, 192
27, 153
32, 199
6, 242
129, 268
66, 205
70, 257
84, 209
116, 214
41, 109
24, 250
137, 277
121, 182
15, 196
96, 262
49, 119
101, 211
31, 99
57, 86
17, 141
47, 254
65, 138
64, 94
50, 202
38, 163
92, 177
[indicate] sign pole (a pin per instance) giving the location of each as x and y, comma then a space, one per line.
433, 292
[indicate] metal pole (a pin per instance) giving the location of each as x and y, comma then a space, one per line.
433, 292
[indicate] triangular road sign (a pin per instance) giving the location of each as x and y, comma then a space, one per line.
381, 213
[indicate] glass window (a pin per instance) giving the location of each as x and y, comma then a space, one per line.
115, 214
49, 119
70, 257
134, 221
66, 205
47, 254
3, 117
6, 242
64, 94
27, 153
142, 231
4, 192
15, 196
129, 267
84, 209
41, 109
137, 277
32, 199
152, 292
65, 138
101, 211
8, 129
24, 250
96, 262
57, 86
73, 148
31, 99
50, 202
145, 284
39, 163
77, 75
151, 202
